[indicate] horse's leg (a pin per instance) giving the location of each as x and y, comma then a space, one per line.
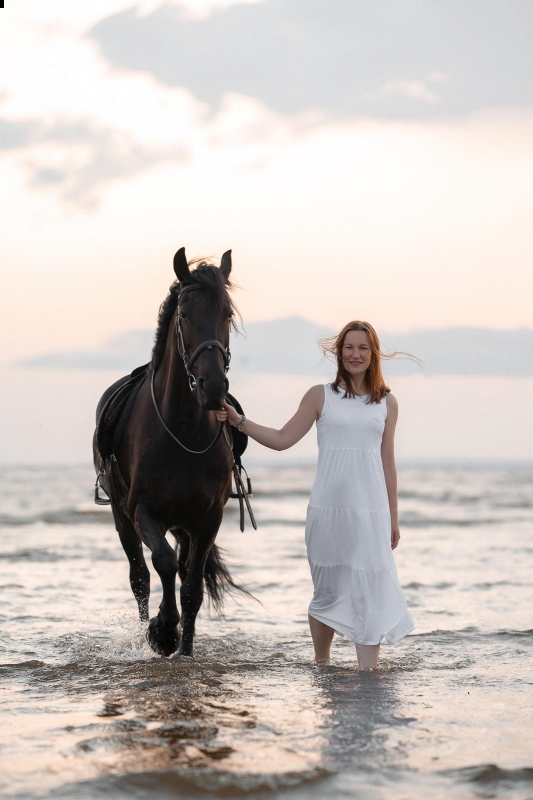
184, 545
192, 590
162, 632
139, 573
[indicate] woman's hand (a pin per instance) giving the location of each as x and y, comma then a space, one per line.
308, 411
227, 412
395, 536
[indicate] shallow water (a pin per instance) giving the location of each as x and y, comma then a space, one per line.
89, 711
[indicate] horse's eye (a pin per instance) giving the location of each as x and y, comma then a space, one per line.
183, 316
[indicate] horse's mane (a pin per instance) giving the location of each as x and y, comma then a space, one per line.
208, 277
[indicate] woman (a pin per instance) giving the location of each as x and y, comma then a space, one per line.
352, 517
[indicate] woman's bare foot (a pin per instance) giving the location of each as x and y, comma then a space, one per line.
322, 637
367, 656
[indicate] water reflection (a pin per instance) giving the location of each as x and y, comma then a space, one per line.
360, 709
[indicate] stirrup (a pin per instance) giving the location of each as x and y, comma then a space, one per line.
100, 501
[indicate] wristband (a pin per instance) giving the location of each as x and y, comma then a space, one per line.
242, 423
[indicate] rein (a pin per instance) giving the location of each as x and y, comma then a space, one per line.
165, 426
188, 362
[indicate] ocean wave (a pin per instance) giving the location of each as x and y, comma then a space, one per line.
444, 497
492, 499
243, 783
407, 520
516, 504
7, 669
276, 494
491, 774
44, 555
34, 554
473, 631
73, 516
417, 585
428, 516
492, 584
61, 516
413, 519
190, 782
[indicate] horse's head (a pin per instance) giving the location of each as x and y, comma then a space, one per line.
202, 323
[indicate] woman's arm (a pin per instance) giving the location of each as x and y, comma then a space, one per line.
294, 430
389, 466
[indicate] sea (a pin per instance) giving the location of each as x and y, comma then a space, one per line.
89, 711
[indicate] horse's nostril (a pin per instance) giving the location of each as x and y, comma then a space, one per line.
211, 390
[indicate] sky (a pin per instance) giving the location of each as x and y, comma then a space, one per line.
368, 160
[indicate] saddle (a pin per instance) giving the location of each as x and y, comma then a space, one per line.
116, 412
112, 424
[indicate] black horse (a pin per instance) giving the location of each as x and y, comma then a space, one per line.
172, 468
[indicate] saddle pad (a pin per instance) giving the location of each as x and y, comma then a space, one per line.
115, 413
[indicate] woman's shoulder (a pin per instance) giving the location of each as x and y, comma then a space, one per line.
316, 393
392, 403
318, 388
315, 397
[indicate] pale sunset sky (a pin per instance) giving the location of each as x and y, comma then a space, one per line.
369, 159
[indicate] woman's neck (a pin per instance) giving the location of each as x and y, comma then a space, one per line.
356, 387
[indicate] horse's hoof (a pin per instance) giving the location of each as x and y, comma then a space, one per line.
185, 652
165, 642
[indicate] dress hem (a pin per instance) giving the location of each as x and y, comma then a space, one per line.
348, 634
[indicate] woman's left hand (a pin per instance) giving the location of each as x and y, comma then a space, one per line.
395, 536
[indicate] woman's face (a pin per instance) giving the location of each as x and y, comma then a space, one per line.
356, 353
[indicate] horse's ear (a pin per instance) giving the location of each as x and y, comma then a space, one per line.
181, 268
225, 264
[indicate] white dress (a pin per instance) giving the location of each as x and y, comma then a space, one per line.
348, 529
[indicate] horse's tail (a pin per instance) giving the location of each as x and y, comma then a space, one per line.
218, 580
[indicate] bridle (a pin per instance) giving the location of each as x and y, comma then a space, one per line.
208, 345
188, 361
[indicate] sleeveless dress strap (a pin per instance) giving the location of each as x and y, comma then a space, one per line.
327, 400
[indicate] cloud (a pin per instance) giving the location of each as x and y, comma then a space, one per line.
121, 352
417, 90
290, 346
414, 89
80, 157
294, 55
15, 134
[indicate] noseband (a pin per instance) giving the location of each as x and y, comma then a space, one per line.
188, 361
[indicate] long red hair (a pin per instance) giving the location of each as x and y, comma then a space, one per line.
377, 388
